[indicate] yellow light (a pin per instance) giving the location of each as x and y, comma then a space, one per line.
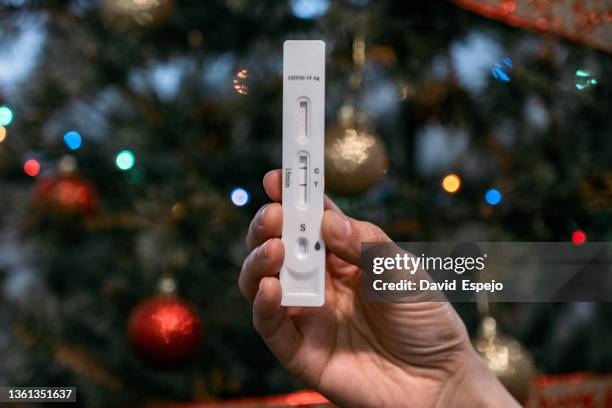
2, 133
451, 183
240, 82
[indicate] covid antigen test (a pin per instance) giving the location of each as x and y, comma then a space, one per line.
302, 275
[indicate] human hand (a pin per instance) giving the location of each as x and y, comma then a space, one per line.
358, 353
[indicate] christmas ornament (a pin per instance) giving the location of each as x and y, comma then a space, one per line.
355, 159
125, 14
67, 194
355, 156
165, 330
583, 21
509, 361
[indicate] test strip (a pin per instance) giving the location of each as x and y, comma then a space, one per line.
302, 274
302, 180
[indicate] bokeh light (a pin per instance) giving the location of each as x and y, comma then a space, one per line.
125, 160
578, 237
451, 183
493, 196
67, 164
2, 133
31, 167
6, 116
308, 9
240, 196
240, 82
501, 70
584, 79
73, 140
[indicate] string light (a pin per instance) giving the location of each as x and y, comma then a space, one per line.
67, 164
501, 71
578, 237
2, 133
31, 167
125, 160
451, 183
240, 82
584, 79
240, 196
6, 116
493, 196
73, 140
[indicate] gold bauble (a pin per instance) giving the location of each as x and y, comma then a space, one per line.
125, 14
355, 159
511, 363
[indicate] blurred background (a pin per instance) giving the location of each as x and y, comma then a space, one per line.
134, 135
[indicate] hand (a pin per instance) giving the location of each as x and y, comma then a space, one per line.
360, 354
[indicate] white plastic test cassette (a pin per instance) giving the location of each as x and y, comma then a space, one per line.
302, 275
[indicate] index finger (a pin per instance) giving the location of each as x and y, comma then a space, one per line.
272, 183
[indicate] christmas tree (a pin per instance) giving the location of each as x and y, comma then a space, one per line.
134, 136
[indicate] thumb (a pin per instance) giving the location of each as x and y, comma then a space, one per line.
343, 235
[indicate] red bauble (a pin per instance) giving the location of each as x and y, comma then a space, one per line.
165, 330
66, 194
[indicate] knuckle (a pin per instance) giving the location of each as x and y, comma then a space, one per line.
373, 232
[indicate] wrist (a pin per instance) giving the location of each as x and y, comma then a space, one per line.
476, 386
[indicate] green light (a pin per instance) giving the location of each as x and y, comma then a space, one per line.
6, 115
582, 73
125, 160
584, 79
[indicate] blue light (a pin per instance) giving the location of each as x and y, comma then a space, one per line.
240, 196
308, 9
73, 140
501, 72
493, 197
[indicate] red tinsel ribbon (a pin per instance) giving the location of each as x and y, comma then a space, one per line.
575, 390
295, 399
585, 21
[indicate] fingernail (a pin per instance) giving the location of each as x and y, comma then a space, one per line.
341, 225
262, 251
